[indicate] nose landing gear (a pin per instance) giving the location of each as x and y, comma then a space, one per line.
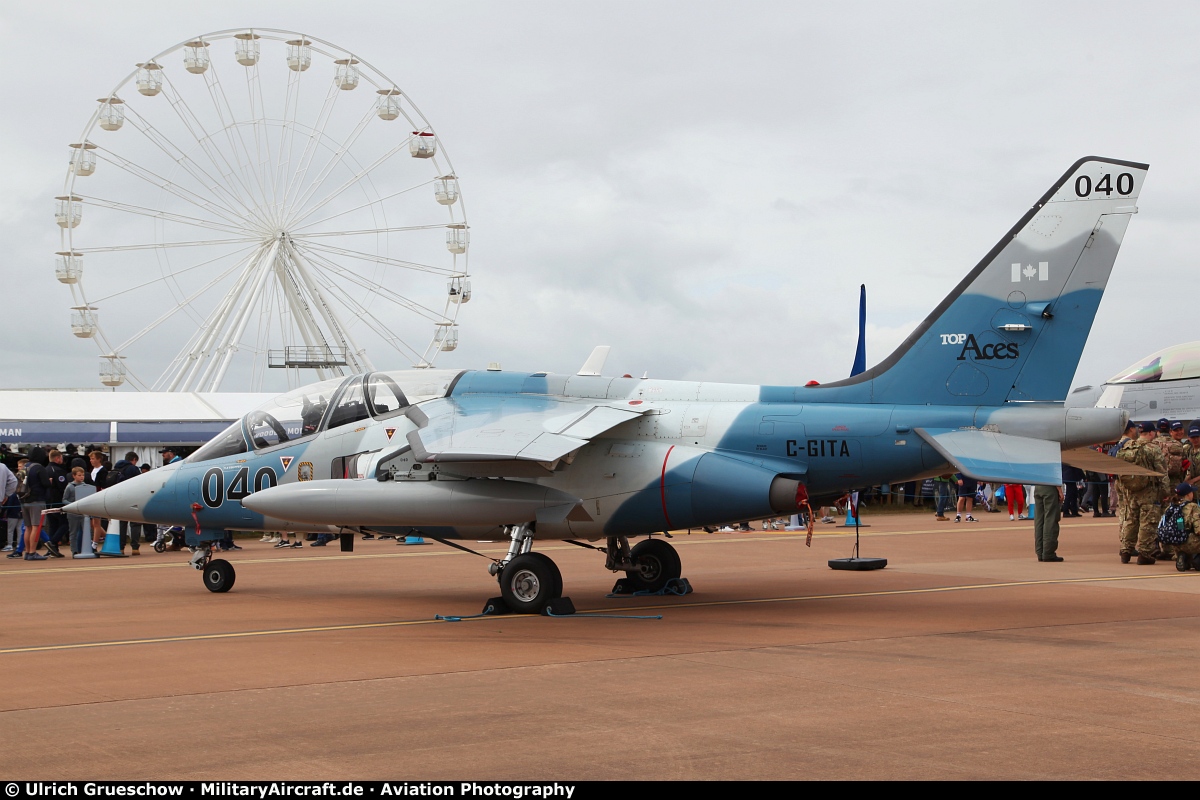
529, 581
217, 573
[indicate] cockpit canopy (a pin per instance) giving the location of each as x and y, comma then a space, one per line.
303, 412
1178, 362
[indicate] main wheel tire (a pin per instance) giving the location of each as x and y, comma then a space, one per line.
529, 582
218, 575
656, 562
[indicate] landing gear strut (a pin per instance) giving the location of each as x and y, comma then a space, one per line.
218, 574
528, 581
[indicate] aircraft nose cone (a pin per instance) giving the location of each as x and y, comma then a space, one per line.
125, 501
90, 506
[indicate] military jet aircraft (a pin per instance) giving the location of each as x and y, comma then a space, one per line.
1165, 383
525, 457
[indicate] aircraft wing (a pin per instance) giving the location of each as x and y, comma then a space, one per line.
997, 457
1086, 458
525, 428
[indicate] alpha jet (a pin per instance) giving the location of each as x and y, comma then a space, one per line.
525, 457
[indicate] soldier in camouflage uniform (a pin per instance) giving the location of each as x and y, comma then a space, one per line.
1175, 453
1141, 497
1187, 555
1193, 455
1130, 435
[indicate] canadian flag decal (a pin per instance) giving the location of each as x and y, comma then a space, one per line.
1028, 272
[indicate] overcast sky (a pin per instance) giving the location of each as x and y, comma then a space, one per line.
701, 185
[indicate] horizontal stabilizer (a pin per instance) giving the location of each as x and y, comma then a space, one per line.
997, 457
1089, 459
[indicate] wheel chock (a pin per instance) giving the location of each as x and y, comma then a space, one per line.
622, 586
559, 607
494, 607
676, 586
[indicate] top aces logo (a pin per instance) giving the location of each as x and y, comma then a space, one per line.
992, 351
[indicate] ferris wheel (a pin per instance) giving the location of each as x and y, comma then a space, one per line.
255, 207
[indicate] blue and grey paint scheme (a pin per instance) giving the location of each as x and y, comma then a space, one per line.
978, 387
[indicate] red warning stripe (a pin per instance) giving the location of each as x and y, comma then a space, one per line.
662, 487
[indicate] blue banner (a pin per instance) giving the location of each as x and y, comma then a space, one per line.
168, 432
53, 432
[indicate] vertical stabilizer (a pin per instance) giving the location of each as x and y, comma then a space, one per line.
1014, 328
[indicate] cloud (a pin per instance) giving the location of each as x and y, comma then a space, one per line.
701, 185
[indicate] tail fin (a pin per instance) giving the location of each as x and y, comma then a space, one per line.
1014, 328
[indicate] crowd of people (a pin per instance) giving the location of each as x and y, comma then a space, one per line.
38, 483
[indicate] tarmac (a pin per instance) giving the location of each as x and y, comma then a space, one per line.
964, 658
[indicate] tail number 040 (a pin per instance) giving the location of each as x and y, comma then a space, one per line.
1105, 186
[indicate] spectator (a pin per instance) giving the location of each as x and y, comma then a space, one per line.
11, 514
131, 532
1097, 491
149, 529
21, 495
966, 496
1071, 477
38, 483
8, 491
941, 488
98, 477
1047, 506
168, 456
1014, 494
56, 523
77, 490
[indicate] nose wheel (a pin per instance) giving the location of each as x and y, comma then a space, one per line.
529, 582
218, 575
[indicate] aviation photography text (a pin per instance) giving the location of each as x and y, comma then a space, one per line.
263, 789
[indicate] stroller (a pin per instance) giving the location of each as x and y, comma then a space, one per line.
981, 501
167, 536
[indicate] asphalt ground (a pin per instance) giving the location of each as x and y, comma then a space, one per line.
965, 658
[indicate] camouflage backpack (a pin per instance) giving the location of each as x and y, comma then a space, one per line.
1173, 453
1133, 452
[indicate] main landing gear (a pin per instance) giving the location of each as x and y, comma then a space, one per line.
217, 573
649, 566
530, 582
